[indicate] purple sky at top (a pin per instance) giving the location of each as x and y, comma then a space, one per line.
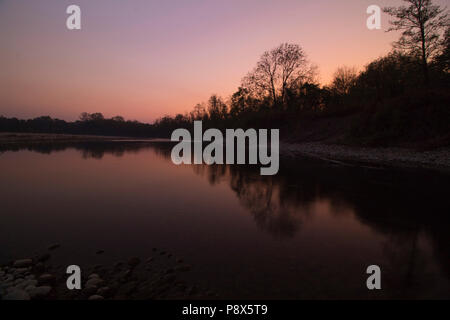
144, 59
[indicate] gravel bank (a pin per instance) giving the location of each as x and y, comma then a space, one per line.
391, 157
158, 276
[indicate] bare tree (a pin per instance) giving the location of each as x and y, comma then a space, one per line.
344, 79
421, 23
277, 71
199, 112
443, 60
217, 109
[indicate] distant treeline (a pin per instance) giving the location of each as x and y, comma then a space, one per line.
403, 96
92, 124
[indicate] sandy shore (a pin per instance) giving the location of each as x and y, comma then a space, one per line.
391, 157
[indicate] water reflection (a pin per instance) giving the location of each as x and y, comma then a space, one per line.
407, 209
405, 205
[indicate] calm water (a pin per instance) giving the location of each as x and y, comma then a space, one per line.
309, 232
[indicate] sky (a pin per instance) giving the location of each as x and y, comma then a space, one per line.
144, 59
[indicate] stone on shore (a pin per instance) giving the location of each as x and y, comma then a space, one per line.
133, 262
90, 290
22, 263
54, 246
104, 291
38, 292
94, 282
26, 283
16, 294
46, 278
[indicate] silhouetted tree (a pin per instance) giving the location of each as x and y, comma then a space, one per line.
277, 71
343, 80
443, 60
199, 112
421, 24
217, 109
118, 119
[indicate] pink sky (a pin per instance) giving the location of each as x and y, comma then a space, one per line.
144, 59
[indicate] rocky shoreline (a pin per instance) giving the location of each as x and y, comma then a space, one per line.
389, 157
159, 276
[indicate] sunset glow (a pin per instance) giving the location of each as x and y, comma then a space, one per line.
146, 59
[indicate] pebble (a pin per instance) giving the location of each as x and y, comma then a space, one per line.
9, 278
22, 263
54, 246
28, 283
94, 282
39, 267
46, 278
133, 262
17, 294
20, 271
90, 290
104, 291
40, 291
30, 288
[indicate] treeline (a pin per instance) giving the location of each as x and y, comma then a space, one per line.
387, 101
399, 98
91, 124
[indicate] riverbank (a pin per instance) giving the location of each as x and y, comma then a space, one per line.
159, 276
13, 138
390, 157
438, 158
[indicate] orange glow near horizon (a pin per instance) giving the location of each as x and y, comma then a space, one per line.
146, 59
